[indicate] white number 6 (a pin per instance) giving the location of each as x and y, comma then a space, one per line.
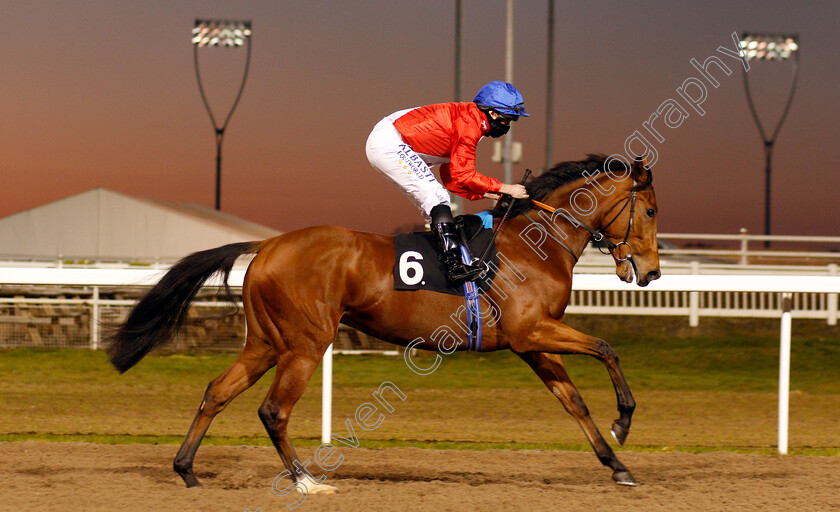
406, 265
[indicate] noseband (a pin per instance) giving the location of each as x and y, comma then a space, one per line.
598, 234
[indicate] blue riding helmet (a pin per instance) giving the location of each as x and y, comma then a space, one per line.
501, 97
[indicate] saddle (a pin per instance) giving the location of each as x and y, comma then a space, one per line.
417, 264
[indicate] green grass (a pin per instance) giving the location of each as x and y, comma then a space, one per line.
658, 353
719, 355
75, 395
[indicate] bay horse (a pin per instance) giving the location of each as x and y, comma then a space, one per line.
302, 284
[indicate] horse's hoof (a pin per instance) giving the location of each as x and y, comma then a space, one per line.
619, 432
313, 487
191, 481
187, 475
624, 478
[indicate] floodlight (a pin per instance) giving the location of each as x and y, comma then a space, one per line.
769, 47
230, 33
220, 32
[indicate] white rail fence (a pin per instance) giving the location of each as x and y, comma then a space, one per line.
35, 310
54, 319
741, 249
718, 302
786, 286
743, 254
75, 322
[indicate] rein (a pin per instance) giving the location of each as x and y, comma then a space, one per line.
597, 234
482, 261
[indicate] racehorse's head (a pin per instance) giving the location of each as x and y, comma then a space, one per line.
635, 225
603, 199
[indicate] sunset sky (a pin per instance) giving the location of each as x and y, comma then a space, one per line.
104, 94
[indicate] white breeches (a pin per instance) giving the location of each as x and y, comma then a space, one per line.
409, 170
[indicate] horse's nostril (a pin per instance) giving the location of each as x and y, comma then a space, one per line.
654, 274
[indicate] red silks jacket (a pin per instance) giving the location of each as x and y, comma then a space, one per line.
450, 130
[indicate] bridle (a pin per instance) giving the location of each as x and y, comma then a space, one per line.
598, 234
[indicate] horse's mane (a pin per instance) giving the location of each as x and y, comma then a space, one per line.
561, 174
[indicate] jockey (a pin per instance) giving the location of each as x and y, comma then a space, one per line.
404, 145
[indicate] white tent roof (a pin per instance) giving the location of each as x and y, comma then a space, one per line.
103, 225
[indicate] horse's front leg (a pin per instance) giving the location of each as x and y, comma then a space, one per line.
558, 338
549, 368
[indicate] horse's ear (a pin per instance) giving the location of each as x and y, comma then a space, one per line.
641, 171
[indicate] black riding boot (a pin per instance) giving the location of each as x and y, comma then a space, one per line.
449, 244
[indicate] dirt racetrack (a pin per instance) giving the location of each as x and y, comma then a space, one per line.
95, 477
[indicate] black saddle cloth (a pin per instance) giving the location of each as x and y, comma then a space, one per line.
417, 264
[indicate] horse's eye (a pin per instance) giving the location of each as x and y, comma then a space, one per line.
650, 212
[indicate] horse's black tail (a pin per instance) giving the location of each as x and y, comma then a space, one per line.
157, 317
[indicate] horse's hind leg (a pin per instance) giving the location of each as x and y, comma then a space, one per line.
293, 374
256, 358
549, 368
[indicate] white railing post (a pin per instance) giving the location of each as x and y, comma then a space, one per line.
744, 242
94, 319
694, 300
784, 374
326, 395
831, 299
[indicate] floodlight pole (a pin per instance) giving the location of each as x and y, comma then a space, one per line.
458, 50
220, 130
549, 94
456, 200
507, 144
770, 142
